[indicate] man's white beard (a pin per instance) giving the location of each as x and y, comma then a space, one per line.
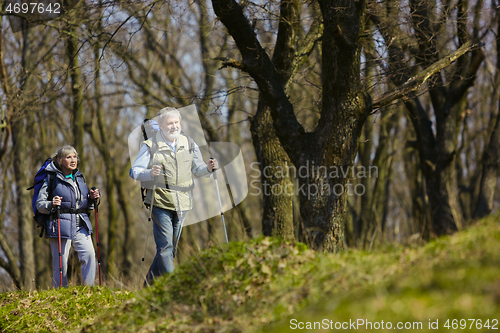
173, 136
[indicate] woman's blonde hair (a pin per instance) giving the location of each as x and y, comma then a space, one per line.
63, 152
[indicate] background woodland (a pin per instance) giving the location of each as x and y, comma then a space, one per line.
409, 87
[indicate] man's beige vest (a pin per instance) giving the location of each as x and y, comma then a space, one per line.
177, 173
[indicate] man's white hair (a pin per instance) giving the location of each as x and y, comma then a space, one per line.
168, 112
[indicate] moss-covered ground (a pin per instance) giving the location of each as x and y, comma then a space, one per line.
271, 285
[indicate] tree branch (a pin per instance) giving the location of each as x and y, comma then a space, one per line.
417, 81
230, 62
262, 70
460, 87
306, 46
399, 73
288, 31
161, 52
428, 52
134, 63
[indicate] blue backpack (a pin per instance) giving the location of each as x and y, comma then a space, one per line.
40, 176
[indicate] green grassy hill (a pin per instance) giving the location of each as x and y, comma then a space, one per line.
270, 285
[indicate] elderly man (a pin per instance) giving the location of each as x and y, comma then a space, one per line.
171, 160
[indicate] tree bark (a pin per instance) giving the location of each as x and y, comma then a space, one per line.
129, 241
237, 103
277, 188
20, 156
377, 208
77, 94
364, 222
489, 176
335, 141
25, 226
11, 264
104, 148
491, 153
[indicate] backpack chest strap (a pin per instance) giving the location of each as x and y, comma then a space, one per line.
74, 211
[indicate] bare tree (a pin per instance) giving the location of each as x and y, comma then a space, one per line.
345, 106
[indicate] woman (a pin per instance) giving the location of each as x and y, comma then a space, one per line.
71, 194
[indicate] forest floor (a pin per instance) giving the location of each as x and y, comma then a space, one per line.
268, 285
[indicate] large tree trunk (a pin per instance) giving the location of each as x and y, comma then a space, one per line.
77, 94
129, 241
417, 212
101, 140
438, 188
440, 172
277, 188
382, 173
10, 261
363, 224
23, 202
236, 103
489, 176
375, 177
491, 153
436, 157
335, 142
111, 173
343, 106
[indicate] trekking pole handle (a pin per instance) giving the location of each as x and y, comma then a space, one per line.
214, 170
211, 158
95, 200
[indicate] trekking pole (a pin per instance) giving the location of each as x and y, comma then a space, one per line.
177, 238
150, 210
214, 172
149, 219
58, 212
97, 238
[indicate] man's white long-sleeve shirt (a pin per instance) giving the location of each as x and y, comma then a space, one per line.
139, 170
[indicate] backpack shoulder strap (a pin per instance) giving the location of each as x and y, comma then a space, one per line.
153, 148
80, 175
51, 184
191, 144
154, 145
